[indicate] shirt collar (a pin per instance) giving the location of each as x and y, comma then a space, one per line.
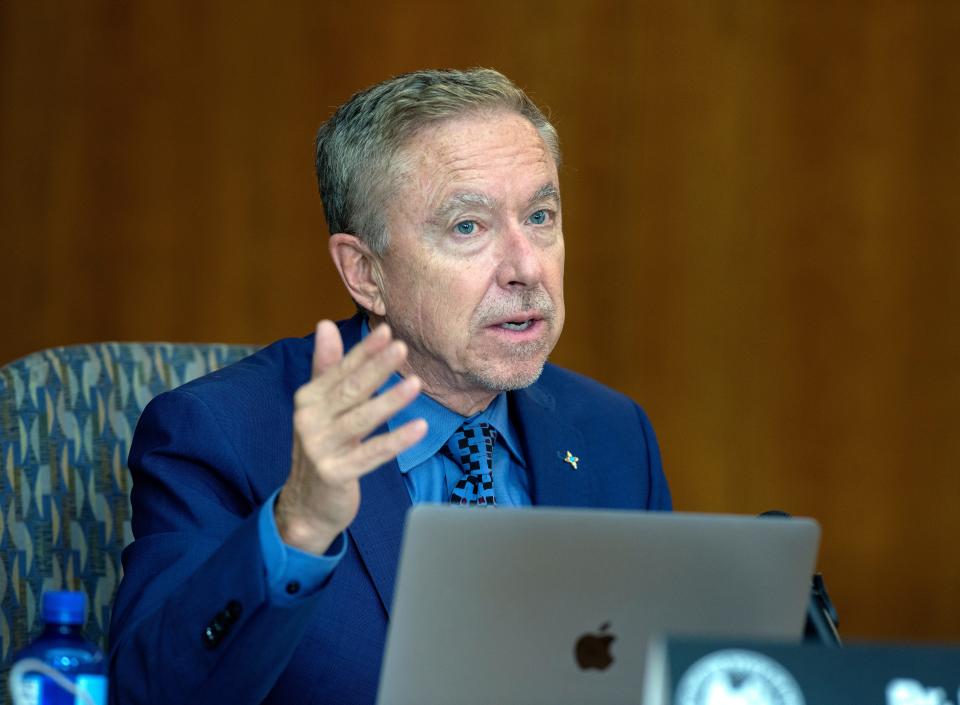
442, 422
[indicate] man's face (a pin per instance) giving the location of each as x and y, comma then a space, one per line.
472, 278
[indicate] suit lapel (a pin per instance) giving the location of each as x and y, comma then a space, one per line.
377, 529
546, 440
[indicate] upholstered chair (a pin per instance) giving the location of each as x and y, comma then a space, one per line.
66, 418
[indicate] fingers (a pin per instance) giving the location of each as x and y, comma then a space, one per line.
327, 348
343, 383
362, 420
356, 386
324, 436
376, 340
337, 410
376, 451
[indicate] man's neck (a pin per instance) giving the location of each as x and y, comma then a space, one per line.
466, 402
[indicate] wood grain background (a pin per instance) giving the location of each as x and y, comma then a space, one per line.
760, 206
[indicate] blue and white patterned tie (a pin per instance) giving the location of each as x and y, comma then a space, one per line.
472, 447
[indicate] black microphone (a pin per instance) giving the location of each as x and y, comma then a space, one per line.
822, 618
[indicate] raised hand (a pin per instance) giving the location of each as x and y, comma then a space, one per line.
333, 415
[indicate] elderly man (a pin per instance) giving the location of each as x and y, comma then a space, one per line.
269, 497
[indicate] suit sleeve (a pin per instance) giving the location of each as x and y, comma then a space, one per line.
193, 619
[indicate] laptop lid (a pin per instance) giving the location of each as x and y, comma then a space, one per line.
556, 606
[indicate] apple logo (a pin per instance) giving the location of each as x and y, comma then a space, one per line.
593, 650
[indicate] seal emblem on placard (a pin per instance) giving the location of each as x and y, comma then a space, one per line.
737, 677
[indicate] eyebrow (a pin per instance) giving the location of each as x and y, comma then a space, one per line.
459, 201
547, 192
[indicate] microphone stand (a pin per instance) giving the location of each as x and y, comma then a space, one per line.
822, 619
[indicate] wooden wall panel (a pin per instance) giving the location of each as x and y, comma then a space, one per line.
760, 214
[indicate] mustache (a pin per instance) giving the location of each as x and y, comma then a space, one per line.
528, 301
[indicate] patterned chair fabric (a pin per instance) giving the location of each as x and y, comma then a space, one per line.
66, 418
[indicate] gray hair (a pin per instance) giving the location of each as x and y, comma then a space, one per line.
355, 148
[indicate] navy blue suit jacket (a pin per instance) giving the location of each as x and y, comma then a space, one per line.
206, 456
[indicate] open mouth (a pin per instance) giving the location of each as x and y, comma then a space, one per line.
517, 325
519, 322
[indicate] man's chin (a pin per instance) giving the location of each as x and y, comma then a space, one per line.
508, 378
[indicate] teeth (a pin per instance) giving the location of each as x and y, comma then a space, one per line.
516, 326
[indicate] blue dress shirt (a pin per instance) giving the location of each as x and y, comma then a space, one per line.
429, 473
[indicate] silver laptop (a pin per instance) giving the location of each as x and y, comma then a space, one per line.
556, 606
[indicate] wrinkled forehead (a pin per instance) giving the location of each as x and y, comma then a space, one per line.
497, 153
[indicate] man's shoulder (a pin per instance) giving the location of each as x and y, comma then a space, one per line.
568, 386
583, 402
280, 367
248, 400
263, 382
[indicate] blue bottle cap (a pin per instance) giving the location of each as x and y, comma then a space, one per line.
63, 607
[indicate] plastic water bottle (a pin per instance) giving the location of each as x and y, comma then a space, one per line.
60, 667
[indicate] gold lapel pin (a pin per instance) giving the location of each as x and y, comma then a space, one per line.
572, 460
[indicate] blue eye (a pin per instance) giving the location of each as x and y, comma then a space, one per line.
467, 227
538, 218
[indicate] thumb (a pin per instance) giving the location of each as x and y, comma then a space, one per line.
327, 348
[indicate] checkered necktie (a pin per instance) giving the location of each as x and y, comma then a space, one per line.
472, 447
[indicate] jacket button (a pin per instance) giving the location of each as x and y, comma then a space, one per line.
233, 611
293, 587
210, 638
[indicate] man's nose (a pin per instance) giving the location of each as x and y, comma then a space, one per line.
520, 264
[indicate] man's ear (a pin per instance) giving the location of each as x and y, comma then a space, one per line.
359, 270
